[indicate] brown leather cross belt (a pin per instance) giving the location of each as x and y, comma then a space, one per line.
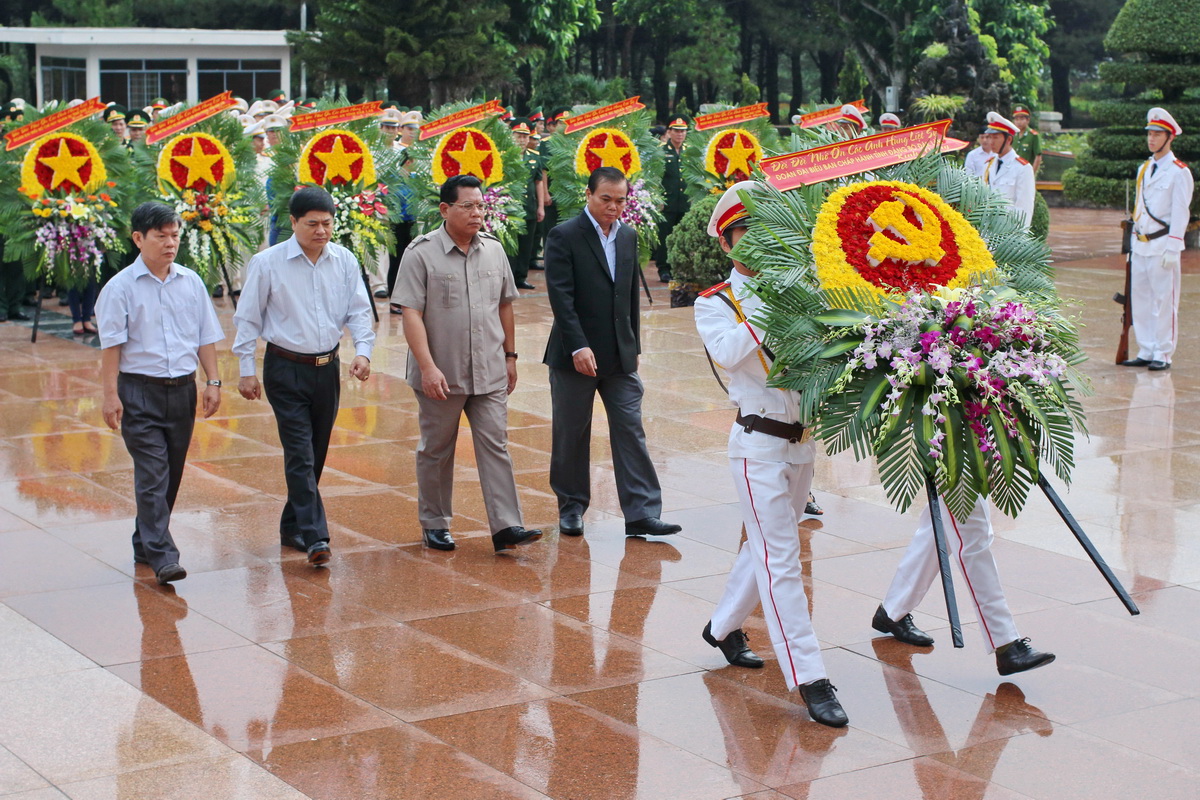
182, 380
313, 360
753, 423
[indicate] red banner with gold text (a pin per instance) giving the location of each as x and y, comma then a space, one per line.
733, 116
596, 116
840, 159
815, 118
56, 121
459, 119
334, 116
189, 117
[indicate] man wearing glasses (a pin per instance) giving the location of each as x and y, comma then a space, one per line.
457, 290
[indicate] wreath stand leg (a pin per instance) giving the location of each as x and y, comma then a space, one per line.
370, 297
642, 273
1088, 547
939, 538
37, 309
229, 285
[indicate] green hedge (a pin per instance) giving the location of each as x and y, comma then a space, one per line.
1132, 113
1118, 143
1040, 225
1087, 190
1170, 27
695, 256
1149, 74
1105, 168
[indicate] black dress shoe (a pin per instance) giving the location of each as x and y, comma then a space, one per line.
734, 647
20, 316
381, 294
511, 537
1019, 656
1155, 366
651, 526
319, 554
171, 572
294, 541
218, 292
525, 285
437, 538
904, 629
822, 703
1136, 362
571, 524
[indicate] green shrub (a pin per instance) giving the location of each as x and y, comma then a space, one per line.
1132, 113
1040, 225
1123, 169
1146, 74
1167, 27
696, 257
1087, 190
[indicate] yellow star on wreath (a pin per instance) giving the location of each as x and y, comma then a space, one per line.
338, 162
738, 157
66, 166
199, 165
470, 160
612, 154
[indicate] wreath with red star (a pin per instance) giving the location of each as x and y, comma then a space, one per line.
467, 151
715, 159
196, 161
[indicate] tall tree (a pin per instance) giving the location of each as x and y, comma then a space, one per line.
888, 36
1076, 44
1017, 27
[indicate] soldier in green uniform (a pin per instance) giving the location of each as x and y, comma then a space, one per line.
114, 115
1028, 142
136, 122
553, 122
535, 196
674, 192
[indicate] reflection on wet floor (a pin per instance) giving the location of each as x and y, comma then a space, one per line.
574, 668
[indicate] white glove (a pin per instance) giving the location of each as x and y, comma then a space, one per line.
1170, 259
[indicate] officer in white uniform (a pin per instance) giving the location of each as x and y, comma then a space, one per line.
772, 465
1009, 174
1160, 218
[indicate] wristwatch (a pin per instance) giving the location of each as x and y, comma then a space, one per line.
510, 355
215, 383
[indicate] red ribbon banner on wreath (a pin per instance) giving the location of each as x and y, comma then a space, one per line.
732, 116
460, 119
815, 118
54, 122
189, 117
595, 117
334, 116
837, 160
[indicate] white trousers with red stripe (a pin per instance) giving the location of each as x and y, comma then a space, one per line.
767, 569
969, 544
1154, 294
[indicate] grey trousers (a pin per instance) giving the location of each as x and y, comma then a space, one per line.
439, 420
572, 395
157, 428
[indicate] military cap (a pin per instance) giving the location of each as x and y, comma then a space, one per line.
852, 116
998, 124
411, 118
730, 210
536, 115
158, 103
137, 118
889, 121
507, 115
113, 113
18, 102
678, 123
240, 105
1159, 119
559, 114
276, 95
275, 122
1018, 110
520, 126
309, 103
391, 118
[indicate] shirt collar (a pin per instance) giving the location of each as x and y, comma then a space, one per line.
448, 243
294, 250
140, 269
596, 225
1165, 158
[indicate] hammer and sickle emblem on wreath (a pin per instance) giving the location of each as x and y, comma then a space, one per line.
921, 242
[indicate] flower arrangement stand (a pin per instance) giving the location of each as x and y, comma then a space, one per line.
233, 296
645, 286
367, 283
939, 538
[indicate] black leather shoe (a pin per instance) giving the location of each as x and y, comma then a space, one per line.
381, 294
1136, 362
319, 554
822, 703
571, 524
1019, 656
20, 316
525, 285
734, 647
171, 572
904, 629
1155, 366
437, 538
511, 537
294, 541
651, 526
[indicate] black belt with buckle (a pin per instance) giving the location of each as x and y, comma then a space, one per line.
753, 423
313, 360
182, 380
1150, 237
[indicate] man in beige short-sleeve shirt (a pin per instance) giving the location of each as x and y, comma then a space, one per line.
457, 290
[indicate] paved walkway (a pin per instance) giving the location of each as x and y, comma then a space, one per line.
574, 668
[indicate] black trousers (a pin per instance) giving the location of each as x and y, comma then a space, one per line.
157, 428
572, 396
404, 237
526, 242
305, 401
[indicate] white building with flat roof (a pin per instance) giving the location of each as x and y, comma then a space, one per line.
132, 66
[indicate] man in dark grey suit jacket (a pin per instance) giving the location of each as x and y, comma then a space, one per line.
592, 278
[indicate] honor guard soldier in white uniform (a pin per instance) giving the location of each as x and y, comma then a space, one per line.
851, 123
1160, 218
1009, 174
772, 464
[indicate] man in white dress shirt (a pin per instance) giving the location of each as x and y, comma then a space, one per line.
977, 160
299, 295
771, 460
156, 322
1007, 173
1160, 218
